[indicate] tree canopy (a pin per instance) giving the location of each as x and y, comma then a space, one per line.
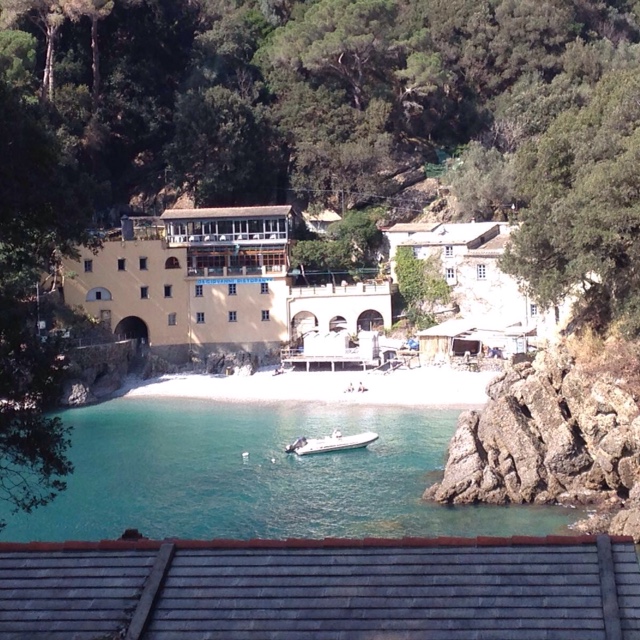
42, 202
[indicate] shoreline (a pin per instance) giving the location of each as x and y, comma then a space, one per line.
433, 387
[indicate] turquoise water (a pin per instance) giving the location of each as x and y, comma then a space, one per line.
174, 468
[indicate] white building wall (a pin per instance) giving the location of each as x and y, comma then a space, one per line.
496, 294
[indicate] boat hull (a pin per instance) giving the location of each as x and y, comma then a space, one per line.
331, 444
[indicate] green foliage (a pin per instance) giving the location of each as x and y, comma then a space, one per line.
484, 182
358, 232
580, 228
322, 255
42, 202
215, 148
421, 285
350, 245
18, 60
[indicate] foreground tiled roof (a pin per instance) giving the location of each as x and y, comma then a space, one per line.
450, 588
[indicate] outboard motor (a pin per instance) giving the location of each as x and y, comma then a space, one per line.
297, 443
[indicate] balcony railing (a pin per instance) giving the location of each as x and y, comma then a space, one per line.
228, 238
233, 271
341, 290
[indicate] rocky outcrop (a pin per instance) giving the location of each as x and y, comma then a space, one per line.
98, 372
95, 373
550, 434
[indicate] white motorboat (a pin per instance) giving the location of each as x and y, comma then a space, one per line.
335, 442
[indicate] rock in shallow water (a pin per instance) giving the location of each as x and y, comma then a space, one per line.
549, 434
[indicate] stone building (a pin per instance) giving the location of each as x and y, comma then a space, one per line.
469, 256
195, 281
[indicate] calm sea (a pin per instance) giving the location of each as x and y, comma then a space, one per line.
174, 468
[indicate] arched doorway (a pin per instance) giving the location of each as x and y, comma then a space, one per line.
337, 323
132, 328
370, 320
302, 323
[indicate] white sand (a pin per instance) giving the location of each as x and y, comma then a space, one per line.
426, 386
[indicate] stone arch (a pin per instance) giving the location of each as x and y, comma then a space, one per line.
98, 293
337, 323
303, 322
132, 328
172, 263
370, 320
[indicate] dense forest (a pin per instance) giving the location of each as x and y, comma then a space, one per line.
528, 110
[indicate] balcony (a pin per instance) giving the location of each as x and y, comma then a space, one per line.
224, 272
366, 288
277, 237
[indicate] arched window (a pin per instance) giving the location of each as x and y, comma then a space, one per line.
98, 293
172, 263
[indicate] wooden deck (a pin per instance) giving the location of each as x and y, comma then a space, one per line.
352, 358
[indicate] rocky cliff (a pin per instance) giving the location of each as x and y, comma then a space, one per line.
550, 434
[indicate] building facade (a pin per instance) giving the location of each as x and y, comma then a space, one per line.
469, 255
200, 280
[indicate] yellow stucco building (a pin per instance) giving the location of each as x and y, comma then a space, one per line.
196, 281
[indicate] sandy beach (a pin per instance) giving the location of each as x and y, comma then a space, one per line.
427, 386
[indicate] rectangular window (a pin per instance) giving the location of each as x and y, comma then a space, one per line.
167, 290
264, 287
533, 310
265, 315
198, 291
122, 264
482, 272
232, 290
98, 295
200, 317
88, 266
233, 316
143, 264
450, 274
448, 251
144, 292
171, 319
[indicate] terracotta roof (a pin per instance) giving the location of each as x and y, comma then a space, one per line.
374, 589
226, 212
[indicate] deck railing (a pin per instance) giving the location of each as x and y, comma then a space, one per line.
341, 290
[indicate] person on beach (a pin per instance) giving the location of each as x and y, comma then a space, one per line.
361, 388
349, 389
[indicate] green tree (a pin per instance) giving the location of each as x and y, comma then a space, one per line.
18, 59
44, 210
94, 10
323, 255
221, 145
579, 228
359, 233
421, 285
48, 16
483, 181
341, 39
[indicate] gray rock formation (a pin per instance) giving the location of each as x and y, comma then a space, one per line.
94, 373
549, 434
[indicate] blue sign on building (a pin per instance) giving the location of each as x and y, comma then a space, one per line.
233, 280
